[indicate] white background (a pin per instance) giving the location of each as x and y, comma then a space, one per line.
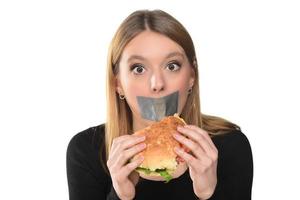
52, 83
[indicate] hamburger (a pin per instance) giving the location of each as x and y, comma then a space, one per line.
159, 156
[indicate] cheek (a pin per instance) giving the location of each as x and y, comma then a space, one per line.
135, 88
183, 93
182, 85
132, 89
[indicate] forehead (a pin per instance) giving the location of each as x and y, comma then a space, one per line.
150, 45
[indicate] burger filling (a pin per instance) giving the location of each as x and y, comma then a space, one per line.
163, 172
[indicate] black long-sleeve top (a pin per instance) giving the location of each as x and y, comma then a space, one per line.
87, 179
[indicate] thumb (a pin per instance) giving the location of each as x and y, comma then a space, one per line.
134, 177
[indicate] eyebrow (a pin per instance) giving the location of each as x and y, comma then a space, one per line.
138, 57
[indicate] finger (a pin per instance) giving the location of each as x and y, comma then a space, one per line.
212, 152
124, 156
125, 143
116, 142
204, 134
193, 146
128, 140
127, 169
132, 141
193, 162
185, 148
179, 159
119, 139
188, 158
197, 137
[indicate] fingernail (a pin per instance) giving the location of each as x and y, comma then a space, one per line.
176, 135
179, 127
143, 145
178, 149
142, 137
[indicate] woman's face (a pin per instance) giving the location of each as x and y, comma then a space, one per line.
152, 65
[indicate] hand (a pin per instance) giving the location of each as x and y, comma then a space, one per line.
124, 178
202, 161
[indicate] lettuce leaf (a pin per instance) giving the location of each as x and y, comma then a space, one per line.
146, 171
163, 172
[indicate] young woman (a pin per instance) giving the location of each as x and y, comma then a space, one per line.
152, 55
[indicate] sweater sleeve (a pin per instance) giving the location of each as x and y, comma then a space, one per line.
235, 175
86, 179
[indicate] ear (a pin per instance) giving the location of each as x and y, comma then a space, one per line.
193, 73
118, 86
192, 78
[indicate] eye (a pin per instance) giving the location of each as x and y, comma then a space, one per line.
174, 66
137, 69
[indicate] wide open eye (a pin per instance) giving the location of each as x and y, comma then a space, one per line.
174, 66
137, 69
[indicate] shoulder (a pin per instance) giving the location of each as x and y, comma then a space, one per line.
232, 140
234, 151
88, 139
235, 166
85, 172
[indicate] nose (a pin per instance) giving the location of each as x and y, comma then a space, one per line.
157, 82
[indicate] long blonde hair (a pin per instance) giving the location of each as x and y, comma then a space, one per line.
119, 116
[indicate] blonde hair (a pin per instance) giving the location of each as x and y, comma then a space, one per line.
119, 116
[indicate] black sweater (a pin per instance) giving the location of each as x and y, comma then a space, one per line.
87, 179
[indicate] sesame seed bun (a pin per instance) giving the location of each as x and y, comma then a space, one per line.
159, 153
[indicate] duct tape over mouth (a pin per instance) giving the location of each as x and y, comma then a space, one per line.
155, 109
